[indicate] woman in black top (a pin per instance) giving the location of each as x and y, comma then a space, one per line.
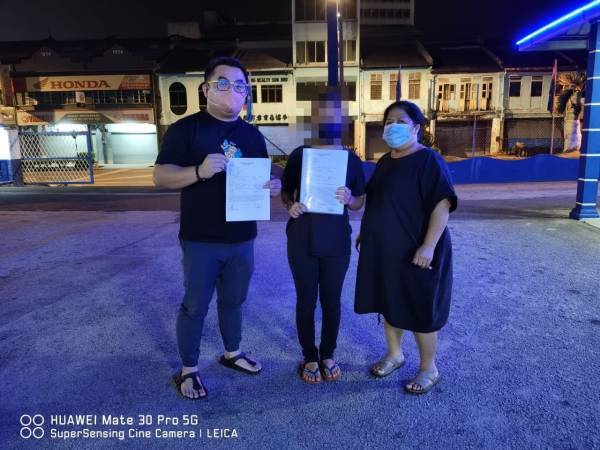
405, 264
319, 254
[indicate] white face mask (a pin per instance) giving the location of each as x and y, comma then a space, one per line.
397, 134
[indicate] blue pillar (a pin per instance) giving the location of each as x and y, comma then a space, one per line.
586, 206
330, 125
5, 171
332, 43
10, 157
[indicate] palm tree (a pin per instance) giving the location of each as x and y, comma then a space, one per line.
572, 95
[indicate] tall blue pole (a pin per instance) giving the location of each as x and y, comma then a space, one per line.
330, 123
586, 205
332, 43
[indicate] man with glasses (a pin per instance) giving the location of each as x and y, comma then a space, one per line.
216, 254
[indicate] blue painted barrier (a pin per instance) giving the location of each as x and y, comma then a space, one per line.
5, 175
493, 170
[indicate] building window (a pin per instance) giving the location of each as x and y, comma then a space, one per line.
310, 91
316, 51
486, 93
414, 85
349, 91
348, 9
120, 97
310, 10
202, 100
308, 52
446, 91
178, 98
376, 86
350, 50
393, 81
317, 90
254, 94
116, 97
271, 93
514, 87
301, 52
536, 86
465, 89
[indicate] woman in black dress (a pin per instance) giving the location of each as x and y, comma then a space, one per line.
405, 262
318, 249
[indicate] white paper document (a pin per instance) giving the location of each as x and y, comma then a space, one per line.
323, 172
246, 197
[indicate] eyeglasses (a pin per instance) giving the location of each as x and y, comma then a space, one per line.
223, 84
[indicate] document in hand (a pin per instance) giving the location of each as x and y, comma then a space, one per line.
245, 195
323, 172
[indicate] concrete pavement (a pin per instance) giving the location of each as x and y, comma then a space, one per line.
90, 292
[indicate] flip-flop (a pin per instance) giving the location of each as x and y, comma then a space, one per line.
425, 380
387, 365
316, 374
178, 379
231, 363
327, 372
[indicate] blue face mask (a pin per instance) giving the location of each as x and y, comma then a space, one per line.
397, 134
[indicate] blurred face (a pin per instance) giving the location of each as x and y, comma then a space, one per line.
226, 92
399, 131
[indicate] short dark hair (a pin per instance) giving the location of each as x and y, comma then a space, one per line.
412, 110
224, 61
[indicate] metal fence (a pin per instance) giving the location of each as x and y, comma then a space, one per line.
56, 157
463, 138
528, 137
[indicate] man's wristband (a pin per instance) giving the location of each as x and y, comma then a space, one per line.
198, 177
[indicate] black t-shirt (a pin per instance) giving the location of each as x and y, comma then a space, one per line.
320, 235
186, 143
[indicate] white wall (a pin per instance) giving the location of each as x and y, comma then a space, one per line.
288, 104
191, 83
525, 104
287, 138
373, 109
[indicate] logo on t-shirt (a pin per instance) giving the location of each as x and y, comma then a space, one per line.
231, 150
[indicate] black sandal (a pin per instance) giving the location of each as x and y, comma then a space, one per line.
178, 379
231, 363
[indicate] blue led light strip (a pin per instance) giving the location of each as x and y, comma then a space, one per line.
559, 21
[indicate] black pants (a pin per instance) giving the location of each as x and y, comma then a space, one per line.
314, 277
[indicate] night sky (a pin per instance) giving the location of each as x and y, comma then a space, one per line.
80, 19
